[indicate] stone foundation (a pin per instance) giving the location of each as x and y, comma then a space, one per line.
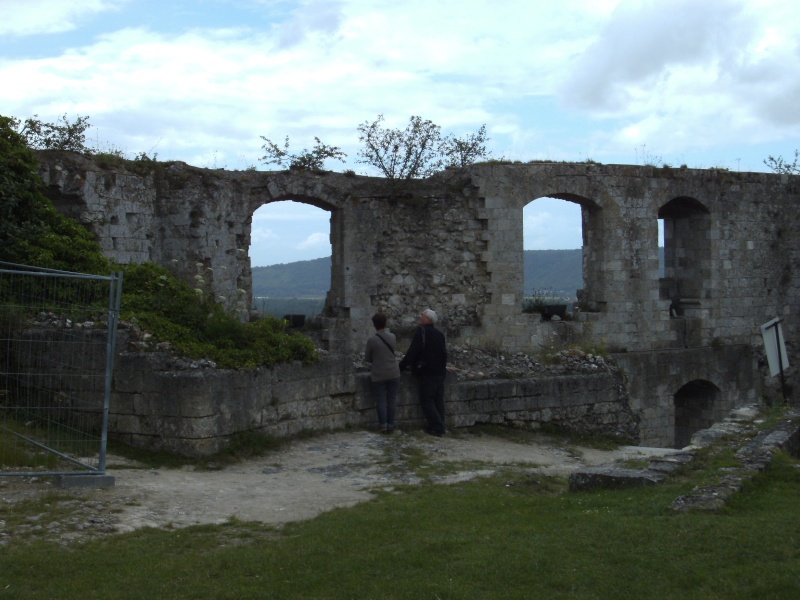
196, 411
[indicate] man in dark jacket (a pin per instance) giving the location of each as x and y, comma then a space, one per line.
427, 356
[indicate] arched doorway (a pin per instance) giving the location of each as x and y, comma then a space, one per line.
697, 406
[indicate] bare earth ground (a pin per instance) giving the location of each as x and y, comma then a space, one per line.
306, 478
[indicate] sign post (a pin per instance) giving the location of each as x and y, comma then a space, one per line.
776, 350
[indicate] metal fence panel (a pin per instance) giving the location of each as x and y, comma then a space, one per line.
57, 344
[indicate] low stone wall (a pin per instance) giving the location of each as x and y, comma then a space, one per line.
176, 405
162, 403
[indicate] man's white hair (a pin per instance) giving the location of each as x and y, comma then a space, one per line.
430, 315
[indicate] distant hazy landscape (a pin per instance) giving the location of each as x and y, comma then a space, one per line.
300, 287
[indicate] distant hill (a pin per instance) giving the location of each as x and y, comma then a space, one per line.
553, 270
556, 270
302, 279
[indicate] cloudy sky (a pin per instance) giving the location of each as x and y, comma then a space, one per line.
706, 83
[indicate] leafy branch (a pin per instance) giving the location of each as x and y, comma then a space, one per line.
61, 135
778, 165
313, 159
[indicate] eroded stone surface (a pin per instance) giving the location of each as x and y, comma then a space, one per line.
306, 478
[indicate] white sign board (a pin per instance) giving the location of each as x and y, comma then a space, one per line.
773, 340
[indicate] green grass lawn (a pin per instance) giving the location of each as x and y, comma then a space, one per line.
514, 535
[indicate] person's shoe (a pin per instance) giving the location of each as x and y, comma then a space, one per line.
430, 431
384, 429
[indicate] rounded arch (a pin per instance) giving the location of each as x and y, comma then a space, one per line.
697, 407
302, 199
682, 207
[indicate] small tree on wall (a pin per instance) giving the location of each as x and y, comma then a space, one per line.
462, 152
402, 154
778, 165
61, 135
419, 150
313, 159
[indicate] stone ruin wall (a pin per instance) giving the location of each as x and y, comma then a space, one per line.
454, 243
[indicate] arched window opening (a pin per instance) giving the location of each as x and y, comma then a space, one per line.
697, 407
687, 266
553, 256
290, 258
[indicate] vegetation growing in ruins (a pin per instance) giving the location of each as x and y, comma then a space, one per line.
779, 165
419, 150
197, 327
61, 135
312, 160
33, 232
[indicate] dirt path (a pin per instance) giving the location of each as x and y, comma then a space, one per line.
299, 482
313, 476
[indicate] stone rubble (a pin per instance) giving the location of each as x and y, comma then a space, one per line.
469, 363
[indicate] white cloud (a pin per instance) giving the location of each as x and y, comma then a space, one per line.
315, 241
262, 235
350, 61
29, 17
552, 223
314, 17
644, 42
684, 75
290, 211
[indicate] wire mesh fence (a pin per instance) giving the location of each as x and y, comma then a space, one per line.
57, 341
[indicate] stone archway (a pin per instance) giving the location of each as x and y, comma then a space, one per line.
697, 406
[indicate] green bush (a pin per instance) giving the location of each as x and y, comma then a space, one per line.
173, 312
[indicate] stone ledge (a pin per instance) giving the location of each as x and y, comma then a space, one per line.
754, 455
611, 477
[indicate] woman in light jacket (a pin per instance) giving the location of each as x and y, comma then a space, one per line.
384, 372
